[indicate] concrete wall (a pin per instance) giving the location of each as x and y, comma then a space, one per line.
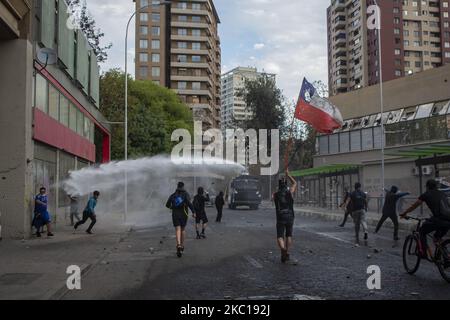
16, 174
420, 88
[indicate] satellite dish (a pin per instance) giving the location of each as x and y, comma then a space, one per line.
47, 56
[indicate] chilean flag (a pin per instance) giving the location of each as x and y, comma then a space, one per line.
317, 111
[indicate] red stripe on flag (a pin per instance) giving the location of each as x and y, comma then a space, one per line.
318, 119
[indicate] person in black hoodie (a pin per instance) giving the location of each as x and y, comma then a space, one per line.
348, 207
390, 209
219, 202
179, 203
200, 213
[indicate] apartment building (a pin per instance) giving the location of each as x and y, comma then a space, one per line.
177, 46
50, 119
415, 36
234, 107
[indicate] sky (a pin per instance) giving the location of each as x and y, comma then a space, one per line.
286, 37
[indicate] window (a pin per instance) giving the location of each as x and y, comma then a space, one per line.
156, 17
397, 52
143, 71
182, 58
156, 71
446, 44
355, 140
196, 19
87, 127
182, 5
334, 143
156, 31
182, 85
80, 122
155, 57
323, 145
41, 101
196, 59
143, 44
144, 3
155, 4
196, 6
196, 32
53, 102
344, 141
182, 45
155, 44
196, 86
182, 32
64, 111
367, 139
418, 64
196, 46
73, 117
398, 73
447, 54
143, 17
143, 30
143, 57
182, 18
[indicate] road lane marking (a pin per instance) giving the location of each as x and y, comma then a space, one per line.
253, 262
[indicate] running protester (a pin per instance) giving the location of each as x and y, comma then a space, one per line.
179, 203
390, 209
200, 213
41, 214
359, 205
284, 205
89, 213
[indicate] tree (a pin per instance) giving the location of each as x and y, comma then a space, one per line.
154, 112
87, 24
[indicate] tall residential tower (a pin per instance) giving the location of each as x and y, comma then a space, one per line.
177, 46
415, 36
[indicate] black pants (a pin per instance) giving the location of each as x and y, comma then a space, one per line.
87, 216
219, 214
441, 227
347, 213
394, 219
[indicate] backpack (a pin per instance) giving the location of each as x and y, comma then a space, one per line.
358, 200
177, 201
444, 207
284, 201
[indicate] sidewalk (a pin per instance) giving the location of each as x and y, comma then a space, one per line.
338, 216
35, 269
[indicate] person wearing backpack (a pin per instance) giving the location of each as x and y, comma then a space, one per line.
437, 202
358, 201
200, 213
390, 209
179, 202
284, 206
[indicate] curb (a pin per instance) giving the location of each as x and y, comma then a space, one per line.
371, 221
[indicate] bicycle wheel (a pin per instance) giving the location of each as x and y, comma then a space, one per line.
443, 260
411, 258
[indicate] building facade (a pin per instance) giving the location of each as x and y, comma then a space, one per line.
416, 119
50, 121
234, 107
178, 46
415, 36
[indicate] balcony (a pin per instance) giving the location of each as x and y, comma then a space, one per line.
12, 13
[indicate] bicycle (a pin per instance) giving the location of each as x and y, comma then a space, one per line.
412, 250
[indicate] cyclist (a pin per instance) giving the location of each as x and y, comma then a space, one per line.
432, 197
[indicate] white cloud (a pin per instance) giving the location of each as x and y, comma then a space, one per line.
259, 46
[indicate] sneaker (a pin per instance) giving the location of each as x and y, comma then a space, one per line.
203, 236
366, 236
179, 252
50, 234
198, 237
89, 232
38, 234
182, 249
284, 256
341, 225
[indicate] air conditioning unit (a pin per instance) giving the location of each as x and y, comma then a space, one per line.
426, 171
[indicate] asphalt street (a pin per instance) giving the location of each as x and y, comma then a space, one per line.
240, 260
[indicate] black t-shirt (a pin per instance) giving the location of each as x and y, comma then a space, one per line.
433, 198
358, 199
199, 203
284, 201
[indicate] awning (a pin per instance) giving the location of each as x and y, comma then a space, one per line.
426, 155
335, 169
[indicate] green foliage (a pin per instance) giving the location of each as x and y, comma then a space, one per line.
154, 112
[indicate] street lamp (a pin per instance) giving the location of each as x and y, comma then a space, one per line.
381, 98
126, 96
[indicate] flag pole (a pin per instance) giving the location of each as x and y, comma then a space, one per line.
289, 145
